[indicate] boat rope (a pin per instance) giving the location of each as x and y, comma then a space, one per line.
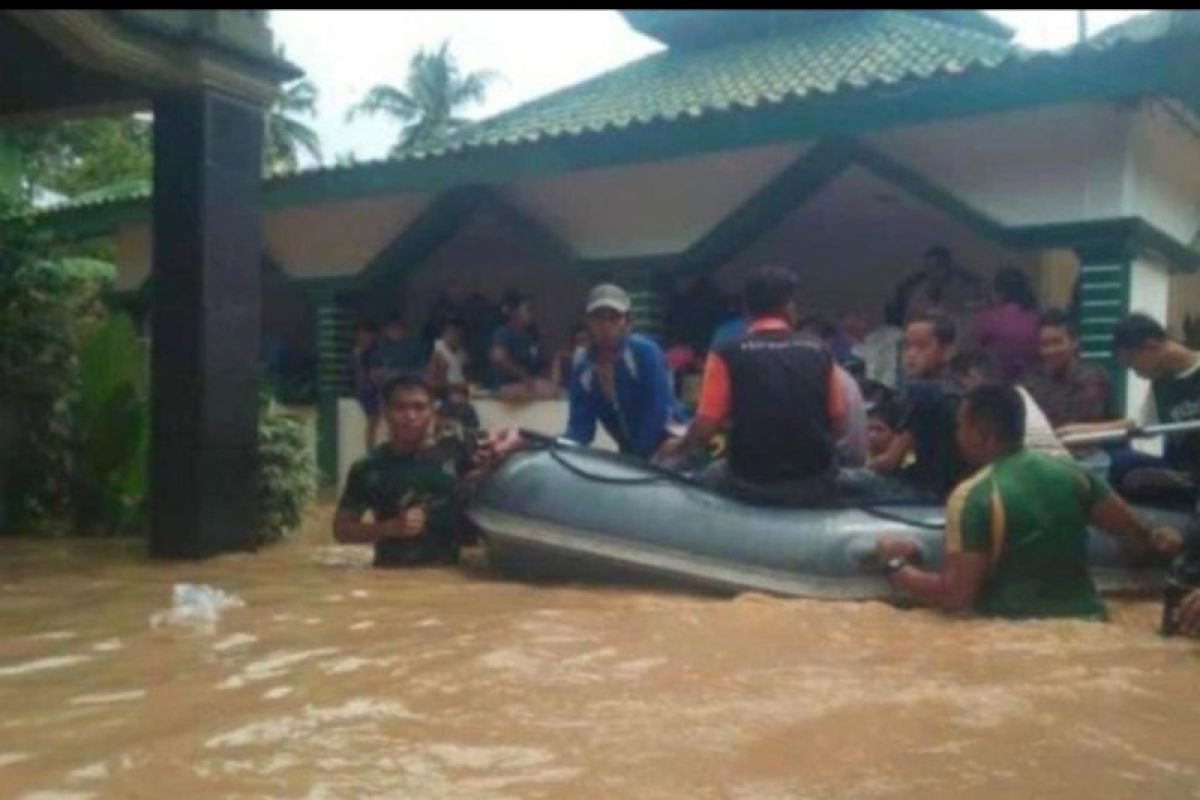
660, 475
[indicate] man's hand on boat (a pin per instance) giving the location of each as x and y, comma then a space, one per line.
669, 451
492, 448
1166, 541
889, 547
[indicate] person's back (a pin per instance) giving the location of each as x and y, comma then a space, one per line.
1030, 510
1009, 329
779, 381
1010, 333
777, 391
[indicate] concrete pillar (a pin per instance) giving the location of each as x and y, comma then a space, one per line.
205, 317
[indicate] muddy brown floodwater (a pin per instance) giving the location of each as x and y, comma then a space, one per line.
336, 680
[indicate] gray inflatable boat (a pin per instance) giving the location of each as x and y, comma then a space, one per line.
570, 513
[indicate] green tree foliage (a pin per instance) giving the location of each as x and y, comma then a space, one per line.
47, 308
428, 105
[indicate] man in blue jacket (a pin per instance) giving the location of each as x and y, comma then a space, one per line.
622, 381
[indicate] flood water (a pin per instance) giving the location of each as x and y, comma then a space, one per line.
336, 680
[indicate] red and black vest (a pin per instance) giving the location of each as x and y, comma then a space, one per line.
780, 425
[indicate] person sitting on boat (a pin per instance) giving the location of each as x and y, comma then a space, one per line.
414, 484
883, 419
1068, 390
929, 402
778, 390
976, 367
1016, 531
621, 380
1173, 370
852, 446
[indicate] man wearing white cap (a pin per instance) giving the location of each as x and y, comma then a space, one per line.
622, 380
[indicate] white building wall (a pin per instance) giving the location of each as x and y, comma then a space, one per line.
649, 209
1162, 180
1033, 167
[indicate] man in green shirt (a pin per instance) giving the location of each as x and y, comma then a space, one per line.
1016, 531
415, 484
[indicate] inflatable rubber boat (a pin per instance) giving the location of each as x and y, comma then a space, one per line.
572, 513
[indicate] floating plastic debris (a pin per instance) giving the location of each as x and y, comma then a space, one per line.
196, 605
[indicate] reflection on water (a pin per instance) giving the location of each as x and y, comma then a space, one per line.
336, 680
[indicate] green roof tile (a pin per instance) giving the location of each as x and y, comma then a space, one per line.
849, 52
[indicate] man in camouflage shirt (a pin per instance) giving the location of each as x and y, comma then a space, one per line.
416, 484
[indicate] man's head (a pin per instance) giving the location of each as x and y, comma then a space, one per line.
883, 419
771, 292
938, 262
407, 409
393, 327
991, 423
607, 315
458, 393
516, 308
928, 344
1058, 346
972, 368
1141, 345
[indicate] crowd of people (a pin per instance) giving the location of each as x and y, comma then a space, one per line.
968, 401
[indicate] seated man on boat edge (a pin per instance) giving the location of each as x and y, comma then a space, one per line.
620, 380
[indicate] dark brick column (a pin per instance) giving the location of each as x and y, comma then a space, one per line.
205, 315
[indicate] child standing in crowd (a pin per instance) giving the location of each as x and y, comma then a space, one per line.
448, 365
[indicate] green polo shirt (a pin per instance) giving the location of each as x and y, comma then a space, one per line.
1028, 513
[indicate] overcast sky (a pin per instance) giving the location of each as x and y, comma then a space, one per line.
347, 52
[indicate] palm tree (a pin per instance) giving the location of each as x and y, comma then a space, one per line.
433, 93
285, 135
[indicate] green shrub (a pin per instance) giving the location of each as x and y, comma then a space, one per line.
287, 469
47, 308
75, 410
111, 417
